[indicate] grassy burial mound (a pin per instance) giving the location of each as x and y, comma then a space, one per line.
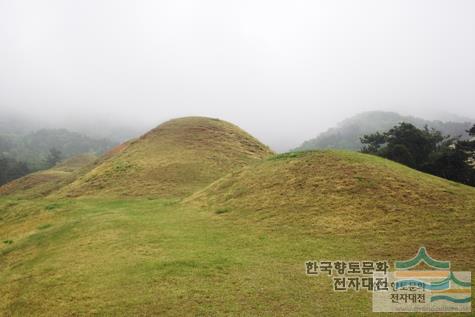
43, 182
173, 160
337, 192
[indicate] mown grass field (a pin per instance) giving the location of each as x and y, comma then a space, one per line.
137, 256
143, 256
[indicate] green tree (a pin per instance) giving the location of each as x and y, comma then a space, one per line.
401, 154
453, 164
468, 146
372, 142
471, 131
426, 150
11, 169
403, 143
54, 157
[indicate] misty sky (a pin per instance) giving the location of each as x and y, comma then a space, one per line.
282, 70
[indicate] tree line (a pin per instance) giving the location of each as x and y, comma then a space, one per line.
426, 150
11, 168
24, 154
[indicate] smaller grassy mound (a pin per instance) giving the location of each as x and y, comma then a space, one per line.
328, 181
173, 160
332, 192
43, 182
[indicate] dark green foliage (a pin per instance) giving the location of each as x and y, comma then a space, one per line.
373, 142
468, 146
23, 154
11, 169
406, 142
471, 132
425, 150
456, 162
452, 164
401, 154
54, 157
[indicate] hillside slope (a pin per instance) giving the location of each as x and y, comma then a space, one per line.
237, 247
335, 192
173, 160
43, 182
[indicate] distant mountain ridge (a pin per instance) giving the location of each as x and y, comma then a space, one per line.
15, 123
346, 135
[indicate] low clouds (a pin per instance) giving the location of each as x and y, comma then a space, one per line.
283, 70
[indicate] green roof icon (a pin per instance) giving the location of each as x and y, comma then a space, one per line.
423, 257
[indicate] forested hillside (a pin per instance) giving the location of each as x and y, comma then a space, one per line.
21, 154
347, 134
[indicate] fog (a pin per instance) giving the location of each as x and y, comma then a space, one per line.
282, 70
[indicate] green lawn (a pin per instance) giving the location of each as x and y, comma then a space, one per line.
142, 257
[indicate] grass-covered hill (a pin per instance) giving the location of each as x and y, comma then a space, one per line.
336, 192
228, 235
173, 160
44, 182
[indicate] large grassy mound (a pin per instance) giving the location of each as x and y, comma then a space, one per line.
43, 182
173, 160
